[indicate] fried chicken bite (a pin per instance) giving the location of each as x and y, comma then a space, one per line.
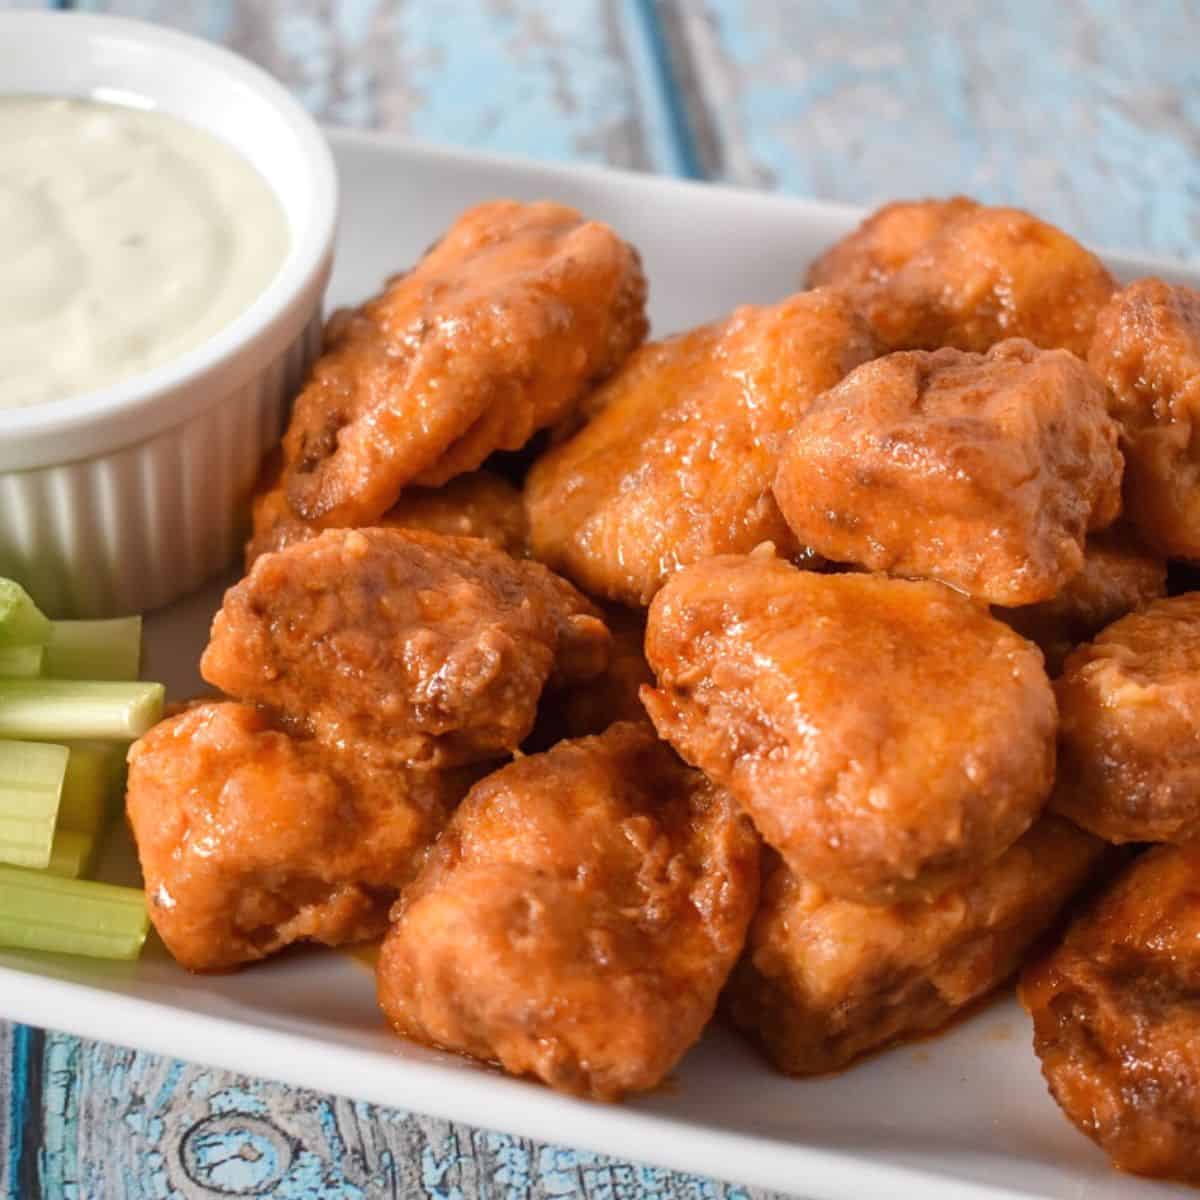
1119, 576
493, 335
1129, 761
431, 649
885, 242
251, 837
592, 706
676, 465
823, 981
984, 471
955, 273
478, 504
1147, 350
890, 739
1115, 1018
578, 917
589, 707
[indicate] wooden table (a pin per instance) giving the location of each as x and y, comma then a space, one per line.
1087, 111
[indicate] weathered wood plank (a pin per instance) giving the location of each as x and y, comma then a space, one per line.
128, 1126
1085, 111
12, 1100
537, 77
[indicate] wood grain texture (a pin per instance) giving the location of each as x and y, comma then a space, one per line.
12, 1096
121, 1125
537, 77
1086, 111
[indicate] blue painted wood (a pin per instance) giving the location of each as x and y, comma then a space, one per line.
580, 80
130, 1126
1086, 111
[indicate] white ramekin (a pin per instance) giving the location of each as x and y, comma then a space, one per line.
121, 499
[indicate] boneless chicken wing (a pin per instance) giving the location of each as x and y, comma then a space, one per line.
578, 917
1130, 735
252, 838
478, 504
983, 471
494, 334
430, 648
1115, 1018
889, 738
823, 981
677, 463
884, 242
1147, 350
938, 273
1119, 575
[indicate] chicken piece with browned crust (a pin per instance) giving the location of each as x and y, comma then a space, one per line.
1129, 762
889, 738
937, 273
984, 471
578, 917
1147, 350
1119, 576
823, 981
1116, 1022
252, 838
427, 649
496, 333
677, 462
478, 504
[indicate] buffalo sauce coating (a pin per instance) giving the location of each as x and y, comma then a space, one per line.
884, 242
1130, 734
983, 471
494, 334
1115, 1018
251, 838
1119, 575
937, 273
431, 649
677, 461
888, 738
590, 706
578, 917
478, 504
1147, 350
823, 981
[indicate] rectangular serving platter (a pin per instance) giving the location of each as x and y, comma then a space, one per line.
965, 1116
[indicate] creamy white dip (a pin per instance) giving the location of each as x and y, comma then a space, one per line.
126, 238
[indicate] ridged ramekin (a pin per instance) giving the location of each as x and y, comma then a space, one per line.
122, 499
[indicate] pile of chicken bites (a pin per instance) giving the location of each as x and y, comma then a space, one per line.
810, 667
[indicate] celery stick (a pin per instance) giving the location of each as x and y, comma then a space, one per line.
70, 916
21, 662
21, 621
73, 853
31, 782
95, 649
92, 781
66, 710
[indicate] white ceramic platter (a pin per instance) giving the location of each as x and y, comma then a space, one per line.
962, 1117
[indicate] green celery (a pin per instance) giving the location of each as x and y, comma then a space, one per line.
67, 710
94, 777
31, 783
21, 621
70, 916
95, 649
21, 662
73, 853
